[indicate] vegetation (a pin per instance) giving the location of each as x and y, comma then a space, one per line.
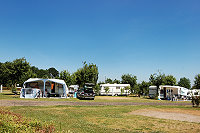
129, 79
19, 70
88, 74
197, 82
106, 90
15, 72
107, 118
195, 101
13, 122
184, 82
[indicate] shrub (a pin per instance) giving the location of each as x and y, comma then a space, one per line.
195, 100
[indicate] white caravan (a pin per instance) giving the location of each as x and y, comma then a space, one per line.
47, 87
168, 92
152, 91
194, 92
114, 89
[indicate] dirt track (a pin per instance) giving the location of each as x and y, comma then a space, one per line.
172, 114
52, 103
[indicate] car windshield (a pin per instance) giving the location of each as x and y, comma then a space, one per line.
88, 90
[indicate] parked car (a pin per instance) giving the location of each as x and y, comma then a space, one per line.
86, 92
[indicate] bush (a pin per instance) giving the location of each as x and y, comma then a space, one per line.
195, 101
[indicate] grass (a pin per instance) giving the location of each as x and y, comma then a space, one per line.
12, 122
89, 119
105, 119
10, 96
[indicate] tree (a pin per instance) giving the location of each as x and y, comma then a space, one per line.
87, 74
53, 72
66, 76
129, 79
116, 81
157, 79
184, 82
197, 81
127, 88
108, 80
106, 90
170, 80
97, 89
15, 72
143, 87
122, 91
40, 73
43, 74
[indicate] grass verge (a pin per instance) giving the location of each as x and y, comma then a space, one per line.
106, 119
13, 122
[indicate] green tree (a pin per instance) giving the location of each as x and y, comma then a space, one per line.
108, 80
197, 82
43, 74
143, 87
87, 74
127, 89
97, 89
53, 72
15, 72
157, 79
170, 80
106, 90
66, 76
122, 91
129, 79
116, 81
184, 82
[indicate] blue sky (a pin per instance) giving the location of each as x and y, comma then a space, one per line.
120, 36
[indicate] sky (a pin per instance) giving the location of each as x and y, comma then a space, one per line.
138, 37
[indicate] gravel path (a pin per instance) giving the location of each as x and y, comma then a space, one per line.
168, 115
51, 103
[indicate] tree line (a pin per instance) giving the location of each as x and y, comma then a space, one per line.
155, 79
19, 70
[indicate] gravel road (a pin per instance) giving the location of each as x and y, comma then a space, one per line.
52, 103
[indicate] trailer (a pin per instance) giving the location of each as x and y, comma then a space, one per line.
46, 87
168, 92
114, 89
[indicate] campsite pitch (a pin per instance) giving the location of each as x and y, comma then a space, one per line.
101, 119
104, 114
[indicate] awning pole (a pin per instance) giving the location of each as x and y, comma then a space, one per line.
44, 89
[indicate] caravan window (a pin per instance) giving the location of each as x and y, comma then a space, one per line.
29, 91
117, 87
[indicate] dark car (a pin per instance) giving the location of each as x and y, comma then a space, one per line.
86, 92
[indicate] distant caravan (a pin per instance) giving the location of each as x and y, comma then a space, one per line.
114, 89
168, 92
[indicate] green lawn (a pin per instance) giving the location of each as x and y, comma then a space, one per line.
99, 119
92, 119
8, 95
105, 119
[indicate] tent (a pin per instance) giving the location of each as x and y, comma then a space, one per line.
48, 87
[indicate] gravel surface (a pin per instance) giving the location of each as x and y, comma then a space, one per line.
168, 115
51, 103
